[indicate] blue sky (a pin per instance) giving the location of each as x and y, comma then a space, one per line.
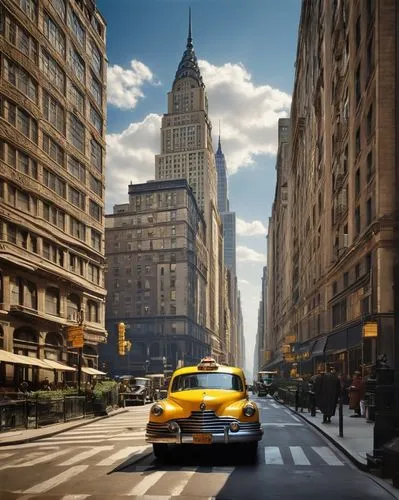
246, 51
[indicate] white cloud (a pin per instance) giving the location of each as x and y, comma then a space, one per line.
245, 254
253, 228
130, 157
248, 112
124, 85
244, 282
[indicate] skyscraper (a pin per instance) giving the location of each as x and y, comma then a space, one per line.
228, 218
187, 152
52, 150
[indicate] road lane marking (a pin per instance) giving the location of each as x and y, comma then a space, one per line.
125, 453
40, 460
182, 483
85, 454
146, 483
273, 455
298, 456
327, 455
275, 405
291, 415
56, 480
91, 442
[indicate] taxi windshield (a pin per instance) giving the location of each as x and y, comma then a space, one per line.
190, 381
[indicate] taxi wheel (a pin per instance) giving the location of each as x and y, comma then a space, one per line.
251, 450
160, 450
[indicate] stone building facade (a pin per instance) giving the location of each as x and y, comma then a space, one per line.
341, 189
52, 149
156, 279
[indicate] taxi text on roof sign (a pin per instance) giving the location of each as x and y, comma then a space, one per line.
208, 364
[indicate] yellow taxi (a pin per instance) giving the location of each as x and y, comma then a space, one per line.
206, 404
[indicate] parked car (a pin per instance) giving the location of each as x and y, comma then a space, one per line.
160, 385
206, 404
140, 391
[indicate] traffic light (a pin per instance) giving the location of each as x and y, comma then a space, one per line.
121, 339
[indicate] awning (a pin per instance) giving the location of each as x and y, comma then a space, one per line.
27, 360
55, 365
319, 346
336, 342
274, 363
355, 336
9, 357
92, 371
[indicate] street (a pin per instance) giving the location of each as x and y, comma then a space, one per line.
110, 459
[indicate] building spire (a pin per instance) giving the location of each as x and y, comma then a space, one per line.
189, 38
219, 150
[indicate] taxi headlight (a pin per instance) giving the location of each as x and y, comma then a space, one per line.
249, 410
157, 410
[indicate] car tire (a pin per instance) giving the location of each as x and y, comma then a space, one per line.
160, 450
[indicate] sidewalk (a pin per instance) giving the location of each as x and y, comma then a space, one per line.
20, 436
358, 434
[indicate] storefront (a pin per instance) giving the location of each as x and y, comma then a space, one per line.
318, 355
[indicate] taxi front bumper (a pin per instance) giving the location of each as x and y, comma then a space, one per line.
245, 434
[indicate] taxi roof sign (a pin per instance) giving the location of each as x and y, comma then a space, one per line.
207, 363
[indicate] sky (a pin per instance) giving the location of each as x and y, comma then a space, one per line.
246, 51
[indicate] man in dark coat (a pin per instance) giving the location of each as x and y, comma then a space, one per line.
327, 389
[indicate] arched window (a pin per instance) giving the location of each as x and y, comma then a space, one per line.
23, 293
52, 303
92, 311
53, 338
25, 334
73, 307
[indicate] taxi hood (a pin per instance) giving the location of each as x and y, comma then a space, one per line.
214, 399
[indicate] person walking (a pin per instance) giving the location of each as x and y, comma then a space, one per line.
356, 394
327, 390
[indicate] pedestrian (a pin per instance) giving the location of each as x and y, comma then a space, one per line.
327, 390
46, 385
356, 394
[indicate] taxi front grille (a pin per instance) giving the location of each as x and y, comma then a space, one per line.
201, 421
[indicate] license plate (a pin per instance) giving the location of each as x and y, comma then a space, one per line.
202, 438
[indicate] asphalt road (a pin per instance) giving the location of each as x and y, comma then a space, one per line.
109, 459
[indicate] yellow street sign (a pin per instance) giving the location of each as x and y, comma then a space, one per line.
370, 329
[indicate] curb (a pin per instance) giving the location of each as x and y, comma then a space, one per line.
59, 431
360, 465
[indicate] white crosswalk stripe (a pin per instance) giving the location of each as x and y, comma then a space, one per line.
84, 455
121, 455
56, 480
273, 455
327, 455
146, 483
298, 456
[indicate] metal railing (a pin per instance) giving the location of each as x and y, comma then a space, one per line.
31, 412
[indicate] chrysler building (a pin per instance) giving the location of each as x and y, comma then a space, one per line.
187, 152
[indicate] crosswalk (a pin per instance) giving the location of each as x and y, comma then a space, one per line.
110, 455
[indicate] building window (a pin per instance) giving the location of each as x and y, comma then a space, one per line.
59, 6
370, 169
357, 271
77, 133
95, 210
19, 119
335, 288
370, 122
96, 155
368, 262
370, 58
96, 186
77, 65
73, 307
357, 142
78, 229
76, 26
96, 240
76, 197
53, 71
357, 182
52, 301
96, 90
18, 37
20, 78
53, 112
358, 33
54, 34
358, 85
54, 182
94, 274
76, 98
29, 7
77, 169
369, 211
96, 59
96, 120
54, 150
357, 220
346, 279
54, 215
339, 313
92, 311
